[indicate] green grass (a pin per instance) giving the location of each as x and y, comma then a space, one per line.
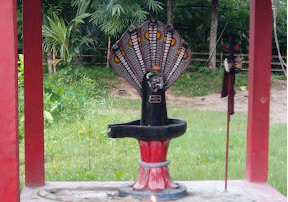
77, 147
277, 174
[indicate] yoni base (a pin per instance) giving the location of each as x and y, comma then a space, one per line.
154, 180
165, 195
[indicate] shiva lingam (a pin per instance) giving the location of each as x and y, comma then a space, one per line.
151, 58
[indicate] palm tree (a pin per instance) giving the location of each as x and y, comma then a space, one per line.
113, 17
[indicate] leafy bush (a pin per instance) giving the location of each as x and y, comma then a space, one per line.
50, 98
72, 89
66, 38
21, 95
65, 94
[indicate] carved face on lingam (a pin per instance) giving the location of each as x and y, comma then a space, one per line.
151, 58
155, 80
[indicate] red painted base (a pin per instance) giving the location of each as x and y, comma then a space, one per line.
156, 179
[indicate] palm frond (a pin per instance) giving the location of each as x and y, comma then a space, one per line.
155, 6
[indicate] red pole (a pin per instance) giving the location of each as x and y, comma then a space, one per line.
9, 153
227, 135
260, 42
33, 85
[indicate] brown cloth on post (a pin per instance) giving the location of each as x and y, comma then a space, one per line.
225, 87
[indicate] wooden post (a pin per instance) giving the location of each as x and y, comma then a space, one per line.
54, 57
33, 93
50, 63
9, 153
221, 60
213, 34
108, 51
260, 44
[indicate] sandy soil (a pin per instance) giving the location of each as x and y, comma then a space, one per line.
278, 100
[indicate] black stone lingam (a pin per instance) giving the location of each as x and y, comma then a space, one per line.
154, 124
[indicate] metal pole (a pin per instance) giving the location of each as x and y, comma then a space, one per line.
221, 60
227, 135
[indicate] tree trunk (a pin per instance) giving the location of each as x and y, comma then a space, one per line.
108, 51
50, 64
170, 9
54, 57
213, 35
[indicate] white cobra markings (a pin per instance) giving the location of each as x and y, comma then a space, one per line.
125, 64
166, 49
134, 39
177, 63
153, 43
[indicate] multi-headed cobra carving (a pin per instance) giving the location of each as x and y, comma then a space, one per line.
153, 44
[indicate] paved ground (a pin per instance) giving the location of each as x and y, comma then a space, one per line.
278, 100
198, 191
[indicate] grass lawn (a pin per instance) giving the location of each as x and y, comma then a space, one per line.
77, 147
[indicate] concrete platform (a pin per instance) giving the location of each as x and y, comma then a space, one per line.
198, 191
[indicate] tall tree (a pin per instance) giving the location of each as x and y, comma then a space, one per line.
213, 34
170, 10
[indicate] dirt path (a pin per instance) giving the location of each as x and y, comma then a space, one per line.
278, 101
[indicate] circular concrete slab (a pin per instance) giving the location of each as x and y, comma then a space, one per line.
77, 195
82, 194
165, 195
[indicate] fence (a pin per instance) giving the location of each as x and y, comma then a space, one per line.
202, 58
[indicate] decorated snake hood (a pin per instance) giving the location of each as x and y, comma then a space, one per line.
151, 58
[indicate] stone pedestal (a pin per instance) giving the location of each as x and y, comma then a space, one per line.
154, 179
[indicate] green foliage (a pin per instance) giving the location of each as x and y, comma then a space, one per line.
278, 157
202, 82
52, 97
21, 95
115, 16
234, 14
192, 19
154, 6
281, 28
70, 89
19, 29
66, 37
